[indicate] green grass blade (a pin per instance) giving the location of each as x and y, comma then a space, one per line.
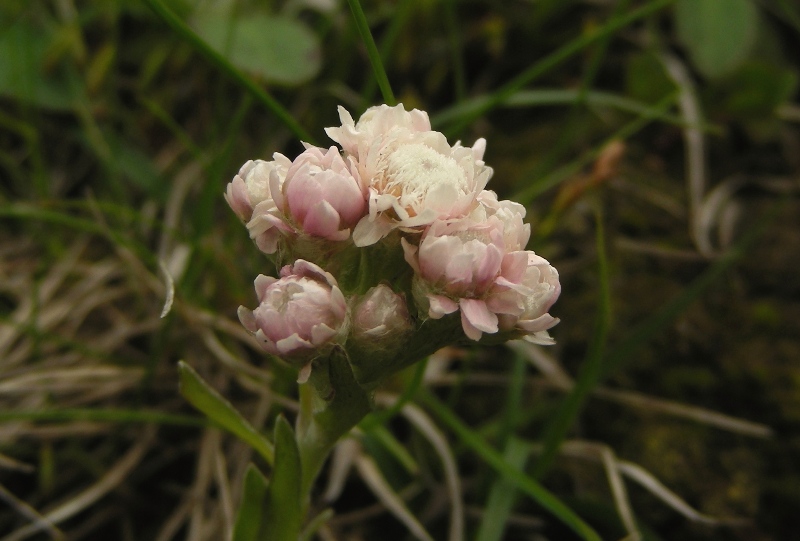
592, 369
657, 322
372, 51
539, 186
495, 460
103, 416
182, 30
554, 59
203, 397
555, 96
502, 495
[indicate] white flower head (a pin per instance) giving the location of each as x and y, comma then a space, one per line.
414, 176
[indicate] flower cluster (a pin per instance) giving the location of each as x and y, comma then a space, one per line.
390, 233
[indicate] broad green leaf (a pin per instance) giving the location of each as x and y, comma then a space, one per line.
718, 34
756, 89
22, 68
645, 78
203, 397
275, 48
284, 513
254, 494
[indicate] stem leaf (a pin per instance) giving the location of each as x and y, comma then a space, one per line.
285, 509
203, 397
254, 494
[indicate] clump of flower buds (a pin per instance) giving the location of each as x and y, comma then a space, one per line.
390, 248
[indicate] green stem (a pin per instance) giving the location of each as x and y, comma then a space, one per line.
183, 30
555, 59
331, 403
372, 52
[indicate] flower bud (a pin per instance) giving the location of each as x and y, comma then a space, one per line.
299, 315
251, 185
381, 317
322, 195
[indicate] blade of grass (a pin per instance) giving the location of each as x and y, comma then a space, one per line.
181, 29
502, 495
592, 369
657, 322
556, 96
454, 41
372, 51
569, 136
103, 416
554, 59
519, 479
400, 15
539, 186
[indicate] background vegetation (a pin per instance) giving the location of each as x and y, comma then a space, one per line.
655, 143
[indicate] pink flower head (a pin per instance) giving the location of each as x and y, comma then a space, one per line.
251, 185
476, 265
381, 316
413, 175
299, 314
322, 195
533, 293
376, 123
251, 196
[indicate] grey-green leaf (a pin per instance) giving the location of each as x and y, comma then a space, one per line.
254, 494
276, 48
203, 397
718, 34
284, 513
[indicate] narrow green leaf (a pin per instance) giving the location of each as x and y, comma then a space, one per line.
502, 495
719, 34
518, 478
372, 52
543, 97
315, 524
592, 368
284, 513
254, 495
203, 397
99, 415
555, 59
658, 321
182, 30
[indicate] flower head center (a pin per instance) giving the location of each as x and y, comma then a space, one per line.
416, 169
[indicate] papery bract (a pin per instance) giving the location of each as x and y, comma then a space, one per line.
322, 195
381, 316
412, 173
298, 314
